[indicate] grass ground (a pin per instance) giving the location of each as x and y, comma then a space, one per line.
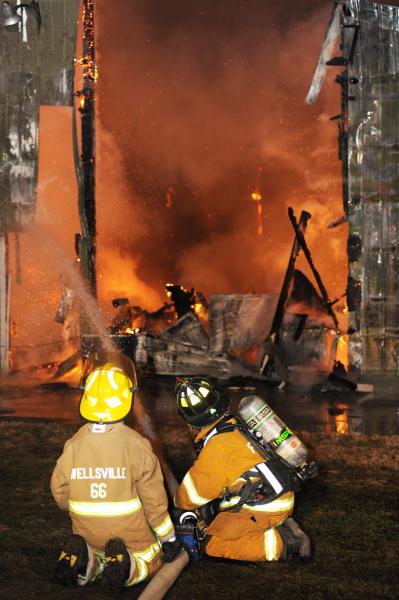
350, 512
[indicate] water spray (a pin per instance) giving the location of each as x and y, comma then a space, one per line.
147, 426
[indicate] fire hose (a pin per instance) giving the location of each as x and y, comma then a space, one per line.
189, 529
164, 578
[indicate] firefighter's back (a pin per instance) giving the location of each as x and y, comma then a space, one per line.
104, 466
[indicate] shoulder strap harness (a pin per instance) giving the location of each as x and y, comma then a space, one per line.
266, 481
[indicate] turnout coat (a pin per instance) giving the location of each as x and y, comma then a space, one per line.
110, 481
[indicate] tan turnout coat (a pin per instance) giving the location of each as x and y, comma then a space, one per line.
110, 481
245, 533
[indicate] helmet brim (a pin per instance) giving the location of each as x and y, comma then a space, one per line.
101, 357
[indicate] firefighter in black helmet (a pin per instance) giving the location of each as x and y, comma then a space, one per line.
246, 500
199, 403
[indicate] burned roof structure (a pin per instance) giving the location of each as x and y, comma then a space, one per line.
368, 35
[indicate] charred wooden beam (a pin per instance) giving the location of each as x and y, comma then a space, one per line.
86, 174
272, 339
303, 245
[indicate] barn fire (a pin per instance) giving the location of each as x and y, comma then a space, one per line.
271, 294
263, 336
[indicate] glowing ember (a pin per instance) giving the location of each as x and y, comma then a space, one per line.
90, 70
256, 196
170, 193
259, 211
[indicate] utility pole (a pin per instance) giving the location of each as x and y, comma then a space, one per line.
86, 170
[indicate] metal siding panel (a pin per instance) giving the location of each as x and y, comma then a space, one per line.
19, 123
373, 182
36, 68
58, 37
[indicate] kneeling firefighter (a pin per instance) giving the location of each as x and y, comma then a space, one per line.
241, 484
110, 481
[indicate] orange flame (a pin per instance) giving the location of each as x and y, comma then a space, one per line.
342, 350
342, 420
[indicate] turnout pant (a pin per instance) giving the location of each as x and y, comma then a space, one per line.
143, 565
249, 534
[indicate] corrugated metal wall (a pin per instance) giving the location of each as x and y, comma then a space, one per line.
370, 148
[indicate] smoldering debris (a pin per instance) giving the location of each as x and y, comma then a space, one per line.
226, 340
252, 335
258, 336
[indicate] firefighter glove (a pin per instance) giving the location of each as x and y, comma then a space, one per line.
171, 549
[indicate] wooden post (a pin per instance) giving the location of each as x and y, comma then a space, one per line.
4, 305
87, 250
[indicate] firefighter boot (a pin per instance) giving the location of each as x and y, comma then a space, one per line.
295, 541
117, 565
72, 562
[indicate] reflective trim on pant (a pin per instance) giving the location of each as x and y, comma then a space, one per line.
105, 509
139, 572
271, 544
144, 564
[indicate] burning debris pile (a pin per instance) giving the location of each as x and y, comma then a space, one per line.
230, 340
265, 336
234, 334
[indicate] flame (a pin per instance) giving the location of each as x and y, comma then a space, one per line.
130, 330
318, 191
342, 350
342, 420
200, 310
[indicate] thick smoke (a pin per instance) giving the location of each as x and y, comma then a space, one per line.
194, 96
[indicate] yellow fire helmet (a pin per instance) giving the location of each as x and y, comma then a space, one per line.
108, 392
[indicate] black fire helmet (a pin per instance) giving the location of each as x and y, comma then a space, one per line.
199, 402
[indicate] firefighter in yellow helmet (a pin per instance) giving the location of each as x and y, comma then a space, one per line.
245, 498
110, 481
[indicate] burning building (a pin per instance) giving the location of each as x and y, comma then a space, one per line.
216, 226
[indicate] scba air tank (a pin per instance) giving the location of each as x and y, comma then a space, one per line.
259, 417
